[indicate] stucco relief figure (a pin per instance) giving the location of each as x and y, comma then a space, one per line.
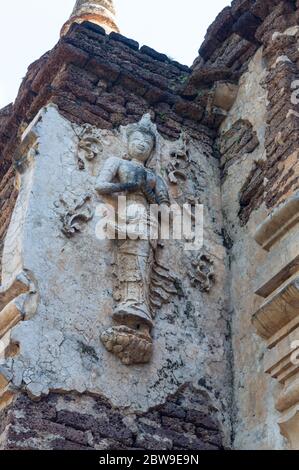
130, 339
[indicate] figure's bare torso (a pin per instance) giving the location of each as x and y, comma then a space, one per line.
120, 175
130, 172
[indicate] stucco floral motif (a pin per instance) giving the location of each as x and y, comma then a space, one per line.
74, 217
202, 273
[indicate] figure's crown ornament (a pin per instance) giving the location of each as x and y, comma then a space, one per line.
144, 125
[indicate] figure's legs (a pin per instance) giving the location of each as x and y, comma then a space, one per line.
131, 340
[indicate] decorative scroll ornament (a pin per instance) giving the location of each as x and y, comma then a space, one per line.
202, 273
74, 218
89, 146
179, 162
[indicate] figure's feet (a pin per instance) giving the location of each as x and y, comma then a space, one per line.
129, 345
132, 314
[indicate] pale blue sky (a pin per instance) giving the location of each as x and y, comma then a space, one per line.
31, 27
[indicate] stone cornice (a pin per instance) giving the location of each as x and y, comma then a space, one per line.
278, 310
278, 223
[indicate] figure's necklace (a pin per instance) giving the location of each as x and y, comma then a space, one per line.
137, 163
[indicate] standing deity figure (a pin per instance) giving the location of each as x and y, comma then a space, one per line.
130, 338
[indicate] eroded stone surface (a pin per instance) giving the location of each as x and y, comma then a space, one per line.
255, 421
60, 347
107, 81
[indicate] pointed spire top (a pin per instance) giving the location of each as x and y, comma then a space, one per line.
100, 12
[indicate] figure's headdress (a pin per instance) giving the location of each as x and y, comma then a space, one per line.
146, 126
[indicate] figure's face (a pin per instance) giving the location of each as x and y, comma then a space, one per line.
140, 146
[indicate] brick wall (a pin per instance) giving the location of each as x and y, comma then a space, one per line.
103, 80
187, 420
272, 181
109, 81
230, 43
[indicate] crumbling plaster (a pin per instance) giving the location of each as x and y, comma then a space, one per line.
60, 348
255, 418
